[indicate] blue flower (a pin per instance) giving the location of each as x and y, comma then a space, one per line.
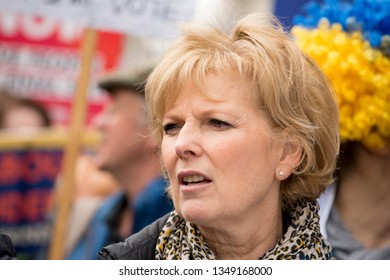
371, 17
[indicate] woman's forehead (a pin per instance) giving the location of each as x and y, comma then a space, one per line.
217, 94
212, 86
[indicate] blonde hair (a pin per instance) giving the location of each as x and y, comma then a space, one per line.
287, 84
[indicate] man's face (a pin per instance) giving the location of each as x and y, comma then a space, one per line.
122, 124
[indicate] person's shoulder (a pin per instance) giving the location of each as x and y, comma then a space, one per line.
151, 204
156, 188
139, 246
111, 202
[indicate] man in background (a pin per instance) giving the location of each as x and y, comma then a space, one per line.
130, 154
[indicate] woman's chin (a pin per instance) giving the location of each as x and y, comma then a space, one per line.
195, 213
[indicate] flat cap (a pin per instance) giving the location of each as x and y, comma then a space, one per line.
132, 78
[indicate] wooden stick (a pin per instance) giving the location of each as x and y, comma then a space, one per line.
55, 137
72, 148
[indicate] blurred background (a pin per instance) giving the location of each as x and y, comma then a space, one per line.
52, 53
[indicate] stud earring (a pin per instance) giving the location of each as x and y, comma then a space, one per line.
281, 173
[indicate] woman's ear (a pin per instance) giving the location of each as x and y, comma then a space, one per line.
289, 159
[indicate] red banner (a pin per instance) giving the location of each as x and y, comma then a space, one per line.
39, 59
26, 188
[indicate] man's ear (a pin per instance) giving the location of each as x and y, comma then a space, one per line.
152, 147
289, 159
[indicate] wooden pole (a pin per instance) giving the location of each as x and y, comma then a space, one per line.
72, 148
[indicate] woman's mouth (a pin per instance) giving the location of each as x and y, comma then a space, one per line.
193, 179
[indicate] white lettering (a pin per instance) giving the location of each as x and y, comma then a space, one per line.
38, 28
8, 25
69, 32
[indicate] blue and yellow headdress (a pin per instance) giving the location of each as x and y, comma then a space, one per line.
350, 41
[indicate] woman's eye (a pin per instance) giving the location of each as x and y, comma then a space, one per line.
218, 123
170, 128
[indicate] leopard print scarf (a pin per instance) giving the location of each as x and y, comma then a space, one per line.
180, 239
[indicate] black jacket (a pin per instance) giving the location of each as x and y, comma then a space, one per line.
7, 250
139, 246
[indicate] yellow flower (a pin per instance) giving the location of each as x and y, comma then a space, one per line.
361, 78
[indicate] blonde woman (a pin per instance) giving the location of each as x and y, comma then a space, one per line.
248, 127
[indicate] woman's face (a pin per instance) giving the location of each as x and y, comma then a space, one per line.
23, 117
219, 154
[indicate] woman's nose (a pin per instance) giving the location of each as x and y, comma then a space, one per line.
188, 142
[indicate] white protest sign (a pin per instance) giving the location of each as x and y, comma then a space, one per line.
154, 17
66, 9
158, 18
